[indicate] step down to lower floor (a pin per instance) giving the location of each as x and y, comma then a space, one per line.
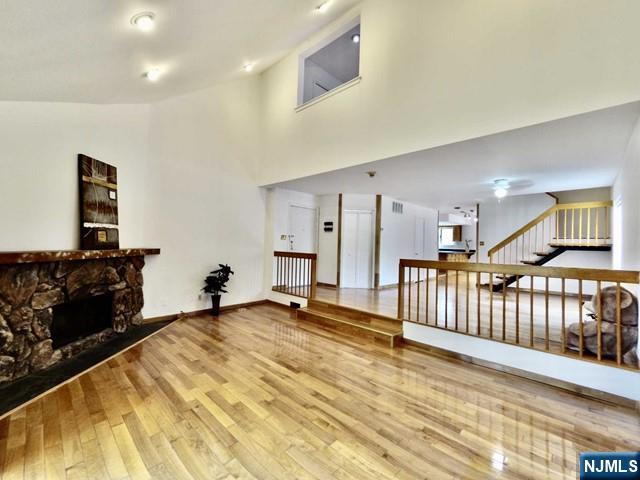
390, 335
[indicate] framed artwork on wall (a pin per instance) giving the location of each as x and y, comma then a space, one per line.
98, 204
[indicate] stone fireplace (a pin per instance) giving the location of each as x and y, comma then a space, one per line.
55, 304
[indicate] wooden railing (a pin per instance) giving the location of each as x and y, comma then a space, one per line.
565, 224
294, 273
575, 321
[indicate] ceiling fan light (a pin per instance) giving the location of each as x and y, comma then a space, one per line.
500, 192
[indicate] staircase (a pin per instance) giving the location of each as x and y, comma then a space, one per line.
351, 322
580, 226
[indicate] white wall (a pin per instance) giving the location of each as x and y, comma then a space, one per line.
626, 245
613, 380
499, 219
283, 200
39, 144
584, 195
356, 201
203, 205
328, 241
397, 239
417, 57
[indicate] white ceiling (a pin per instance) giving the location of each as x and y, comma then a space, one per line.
582, 151
88, 51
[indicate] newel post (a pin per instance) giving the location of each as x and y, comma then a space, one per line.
401, 291
314, 277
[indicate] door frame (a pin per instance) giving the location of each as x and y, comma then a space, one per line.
372, 240
316, 215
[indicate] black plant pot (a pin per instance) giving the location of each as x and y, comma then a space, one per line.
215, 305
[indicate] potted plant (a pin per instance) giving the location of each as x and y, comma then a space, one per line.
216, 282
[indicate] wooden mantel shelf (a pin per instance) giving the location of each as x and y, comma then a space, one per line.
14, 258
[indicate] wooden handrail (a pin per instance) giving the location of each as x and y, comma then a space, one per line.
595, 274
598, 204
547, 213
544, 215
570, 311
295, 273
308, 256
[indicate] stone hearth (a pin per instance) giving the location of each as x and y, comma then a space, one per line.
29, 291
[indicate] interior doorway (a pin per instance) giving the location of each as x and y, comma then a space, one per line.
357, 249
303, 229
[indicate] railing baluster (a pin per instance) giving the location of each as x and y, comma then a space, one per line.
564, 314
466, 329
288, 276
456, 314
531, 332
426, 300
491, 305
401, 291
518, 309
580, 225
581, 326
546, 313
446, 298
314, 277
418, 296
409, 296
478, 301
618, 326
504, 306
599, 319
437, 295
588, 226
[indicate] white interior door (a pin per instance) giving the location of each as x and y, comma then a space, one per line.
418, 238
303, 229
357, 249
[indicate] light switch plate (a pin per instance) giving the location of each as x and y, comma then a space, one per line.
113, 195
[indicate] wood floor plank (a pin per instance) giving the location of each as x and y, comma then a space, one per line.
255, 395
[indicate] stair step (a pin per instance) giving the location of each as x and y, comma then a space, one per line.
528, 262
390, 336
541, 254
369, 318
582, 244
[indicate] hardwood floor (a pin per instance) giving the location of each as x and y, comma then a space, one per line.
257, 395
522, 325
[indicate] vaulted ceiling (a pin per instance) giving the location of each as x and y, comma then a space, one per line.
88, 51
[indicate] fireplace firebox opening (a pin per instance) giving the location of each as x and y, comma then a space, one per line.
81, 318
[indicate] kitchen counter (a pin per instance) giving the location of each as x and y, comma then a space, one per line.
456, 250
454, 255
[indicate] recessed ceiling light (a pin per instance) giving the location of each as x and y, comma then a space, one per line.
144, 21
501, 188
153, 75
323, 7
247, 67
355, 38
